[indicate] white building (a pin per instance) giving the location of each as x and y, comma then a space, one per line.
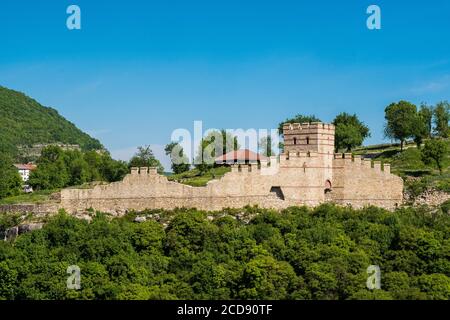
25, 170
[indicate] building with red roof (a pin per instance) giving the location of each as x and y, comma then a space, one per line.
240, 156
25, 170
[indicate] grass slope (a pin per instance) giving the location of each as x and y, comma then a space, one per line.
196, 179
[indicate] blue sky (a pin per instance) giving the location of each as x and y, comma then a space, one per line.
140, 69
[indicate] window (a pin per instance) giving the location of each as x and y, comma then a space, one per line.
307, 140
295, 140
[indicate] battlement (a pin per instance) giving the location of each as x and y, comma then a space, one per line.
144, 171
347, 158
245, 168
253, 167
307, 173
299, 155
313, 126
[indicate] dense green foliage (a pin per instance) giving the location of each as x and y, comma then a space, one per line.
180, 163
296, 254
404, 121
400, 121
441, 119
215, 144
25, 122
10, 180
434, 150
58, 168
350, 132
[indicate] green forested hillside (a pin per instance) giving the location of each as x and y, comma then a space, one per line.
298, 253
23, 121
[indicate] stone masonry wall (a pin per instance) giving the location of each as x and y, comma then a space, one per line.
357, 183
308, 173
300, 177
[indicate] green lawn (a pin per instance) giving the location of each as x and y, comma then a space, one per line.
196, 179
35, 197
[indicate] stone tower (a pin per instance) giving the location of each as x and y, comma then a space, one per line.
315, 137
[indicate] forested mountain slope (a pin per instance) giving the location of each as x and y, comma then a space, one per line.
23, 121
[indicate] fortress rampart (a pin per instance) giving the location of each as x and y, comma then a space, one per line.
307, 173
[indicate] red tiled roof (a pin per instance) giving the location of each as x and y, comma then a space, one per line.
28, 166
240, 155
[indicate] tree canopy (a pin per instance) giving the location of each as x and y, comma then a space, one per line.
57, 168
350, 131
435, 150
144, 157
180, 163
10, 180
213, 145
298, 253
401, 120
441, 119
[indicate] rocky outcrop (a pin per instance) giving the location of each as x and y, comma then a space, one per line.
28, 227
44, 208
140, 219
11, 234
432, 197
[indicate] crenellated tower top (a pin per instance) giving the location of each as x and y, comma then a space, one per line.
315, 136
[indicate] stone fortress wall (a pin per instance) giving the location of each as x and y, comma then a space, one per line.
307, 173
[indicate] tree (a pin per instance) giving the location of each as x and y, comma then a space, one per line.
426, 115
441, 119
77, 168
59, 168
401, 120
8, 281
266, 278
436, 286
266, 146
51, 172
434, 150
10, 181
104, 168
180, 163
144, 158
420, 128
299, 118
215, 144
350, 131
112, 170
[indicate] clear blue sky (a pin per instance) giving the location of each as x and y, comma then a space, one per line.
139, 69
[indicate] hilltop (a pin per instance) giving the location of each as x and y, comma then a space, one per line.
25, 122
